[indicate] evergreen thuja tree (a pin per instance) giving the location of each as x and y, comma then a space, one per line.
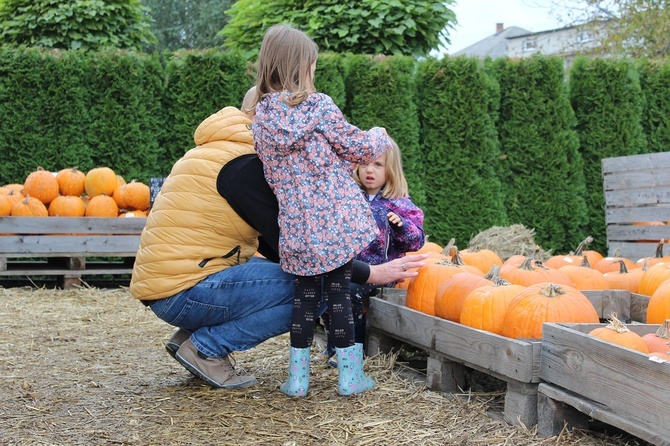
655, 84
542, 171
381, 92
608, 103
457, 102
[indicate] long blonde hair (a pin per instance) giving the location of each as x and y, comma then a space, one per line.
285, 65
396, 184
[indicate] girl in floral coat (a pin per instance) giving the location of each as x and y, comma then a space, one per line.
307, 149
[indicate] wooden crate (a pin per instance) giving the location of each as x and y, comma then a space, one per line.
636, 189
453, 348
586, 377
63, 246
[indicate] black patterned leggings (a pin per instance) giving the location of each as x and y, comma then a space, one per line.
335, 288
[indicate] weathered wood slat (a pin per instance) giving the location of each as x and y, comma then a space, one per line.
66, 272
624, 381
646, 196
632, 250
636, 162
551, 419
64, 225
636, 233
660, 212
16, 246
633, 180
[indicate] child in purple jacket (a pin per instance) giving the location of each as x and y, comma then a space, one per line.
400, 224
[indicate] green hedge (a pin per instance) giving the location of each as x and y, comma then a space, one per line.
482, 145
542, 171
607, 99
458, 102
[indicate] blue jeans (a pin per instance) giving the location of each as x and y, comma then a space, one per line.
233, 310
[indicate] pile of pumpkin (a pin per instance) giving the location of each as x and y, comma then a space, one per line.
71, 193
514, 297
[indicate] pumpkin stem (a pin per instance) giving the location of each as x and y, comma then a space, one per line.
585, 262
527, 264
664, 330
552, 290
616, 325
493, 273
622, 266
447, 249
659, 249
580, 249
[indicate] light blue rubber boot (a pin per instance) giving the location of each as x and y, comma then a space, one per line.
350, 365
298, 373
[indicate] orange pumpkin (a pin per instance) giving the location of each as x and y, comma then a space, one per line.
433, 257
13, 186
483, 259
29, 207
5, 206
453, 291
14, 196
131, 214
616, 332
531, 272
101, 180
484, 308
422, 291
41, 184
624, 279
102, 206
584, 277
546, 302
653, 277
559, 261
67, 206
428, 247
137, 196
658, 308
608, 264
71, 182
659, 341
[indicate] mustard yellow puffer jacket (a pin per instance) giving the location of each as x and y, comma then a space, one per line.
191, 230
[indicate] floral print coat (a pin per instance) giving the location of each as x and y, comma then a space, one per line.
307, 153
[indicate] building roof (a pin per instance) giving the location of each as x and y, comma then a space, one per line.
493, 46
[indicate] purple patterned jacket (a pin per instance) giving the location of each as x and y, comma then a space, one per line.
307, 151
393, 242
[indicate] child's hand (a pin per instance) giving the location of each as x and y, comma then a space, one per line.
394, 219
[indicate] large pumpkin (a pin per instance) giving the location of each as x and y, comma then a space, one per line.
531, 272
452, 293
99, 181
658, 308
653, 277
136, 196
41, 184
484, 308
483, 259
584, 277
422, 290
624, 279
617, 333
546, 302
608, 264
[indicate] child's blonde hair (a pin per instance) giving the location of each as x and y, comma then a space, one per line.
396, 184
285, 65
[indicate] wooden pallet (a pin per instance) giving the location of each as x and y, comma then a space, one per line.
585, 377
454, 349
64, 247
636, 189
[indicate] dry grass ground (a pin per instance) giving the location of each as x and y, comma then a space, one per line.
87, 367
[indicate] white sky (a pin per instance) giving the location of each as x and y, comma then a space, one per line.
477, 19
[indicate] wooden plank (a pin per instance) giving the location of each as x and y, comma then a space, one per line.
17, 246
513, 359
632, 180
608, 302
644, 196
627, 382
63, 225
660, 212
631, 250
638, 307
627, 232
659, 160
551, 419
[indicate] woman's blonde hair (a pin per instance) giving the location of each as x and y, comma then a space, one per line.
396, 184
285, 65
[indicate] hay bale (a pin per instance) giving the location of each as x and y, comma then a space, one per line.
507, 241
